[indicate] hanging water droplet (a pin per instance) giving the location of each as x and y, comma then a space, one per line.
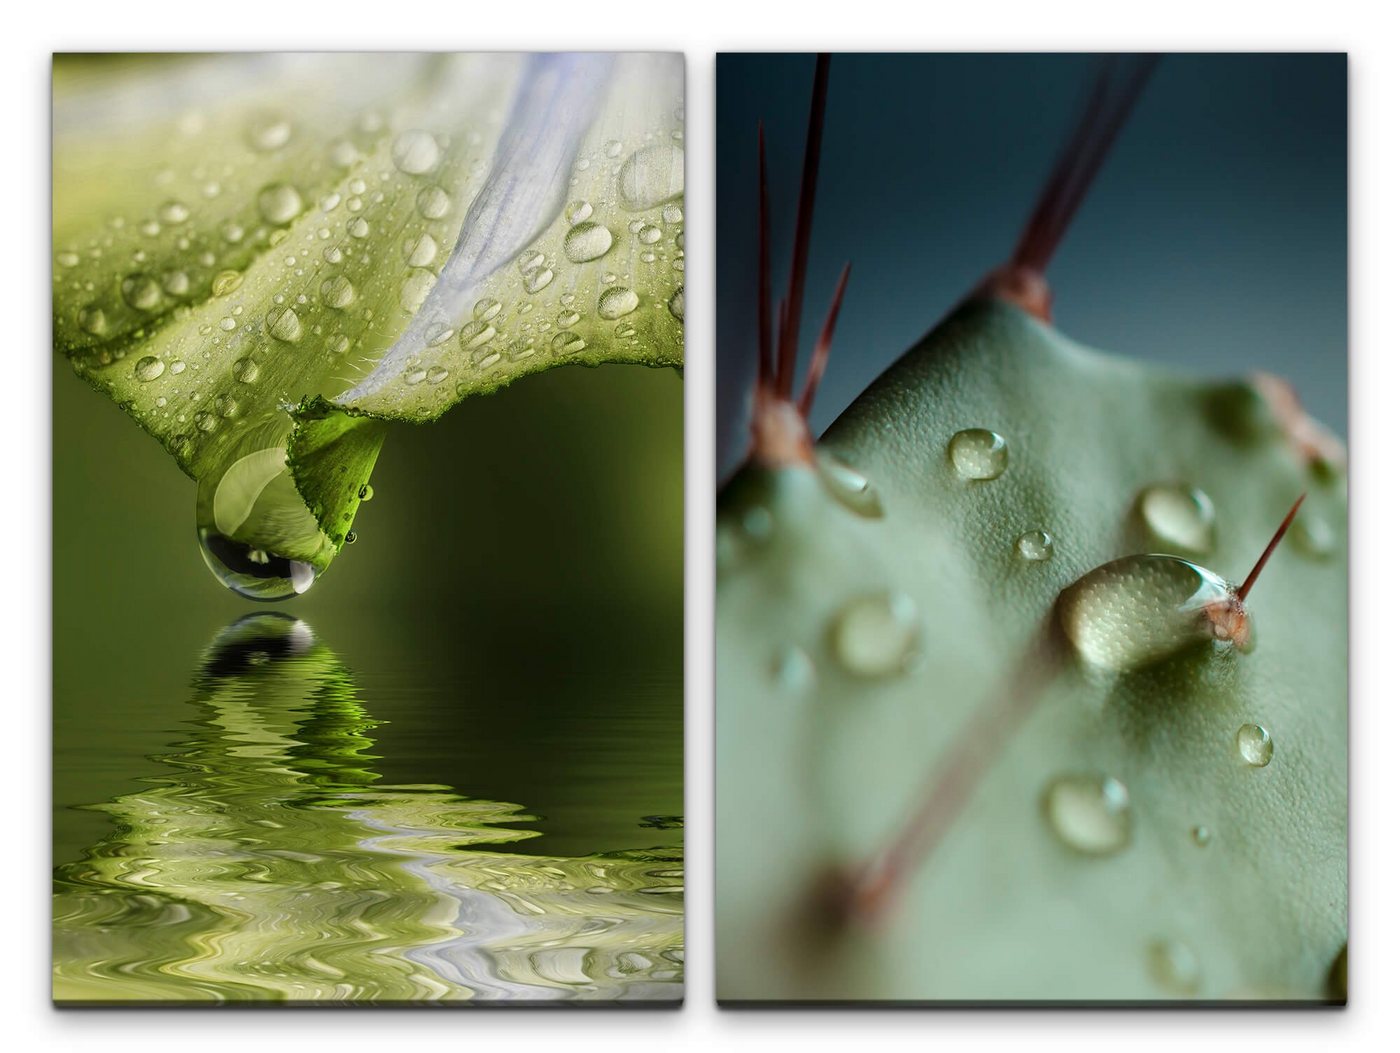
676, 304
279, 203
616, 302
1255, 744
149, 369
577, 211
366, 493
1179, 515
1089, 813
651, 176
433, 202
141, 292
567, 343
255, 532
1035, 546
876, 635
338, 292
977, 453
1139, 609
226, 282
587, 241
793, 670
283, 324
415, 289
420, 251
1174, 967
847, 485
1201, 835
268, 131
351, 537
416, 152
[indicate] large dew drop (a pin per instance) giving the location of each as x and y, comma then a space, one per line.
978, 453
651, 176
1089, 813
1179, 516
877, 635
1137, 610
255, 532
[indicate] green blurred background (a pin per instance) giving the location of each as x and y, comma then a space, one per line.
512, 608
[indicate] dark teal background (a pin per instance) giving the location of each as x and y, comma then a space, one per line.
1214, 239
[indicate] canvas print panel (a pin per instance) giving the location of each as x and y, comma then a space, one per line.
367, 619
1032, 638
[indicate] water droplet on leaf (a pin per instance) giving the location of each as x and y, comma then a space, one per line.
279, 203
1089, 813
148, 369
616, 302
416, 152
651, 176
587, 241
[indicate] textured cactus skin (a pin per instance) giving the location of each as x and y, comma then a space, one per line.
1001, 909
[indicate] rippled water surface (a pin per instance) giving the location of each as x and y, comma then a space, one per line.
286, 843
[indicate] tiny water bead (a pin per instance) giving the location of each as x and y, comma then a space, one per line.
1089, 813
1139, 609
1035, 546
651, 176
793, 670
876, 635
1174, 967
1255, 744
977, 453
1201, 835
416, 152
587, 241
255, 532
1179, 515
148, 369
848, 485
616, 302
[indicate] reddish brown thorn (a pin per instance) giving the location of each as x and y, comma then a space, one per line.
1313, 443
806, 202
1243, 591
765, 279
822, 351
1021, 280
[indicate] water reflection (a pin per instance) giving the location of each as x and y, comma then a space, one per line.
271, 864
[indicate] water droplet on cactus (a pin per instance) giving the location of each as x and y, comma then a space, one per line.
793, 670
587, 241
1255, 744
1035, 546
1180, 516
1089, 813
1312, 536
848, 486
1139, 609
255, 532
1173, 966
876, 635
1201, 835
977, 453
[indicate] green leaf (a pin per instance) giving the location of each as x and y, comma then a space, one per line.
820, 767
239, 236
